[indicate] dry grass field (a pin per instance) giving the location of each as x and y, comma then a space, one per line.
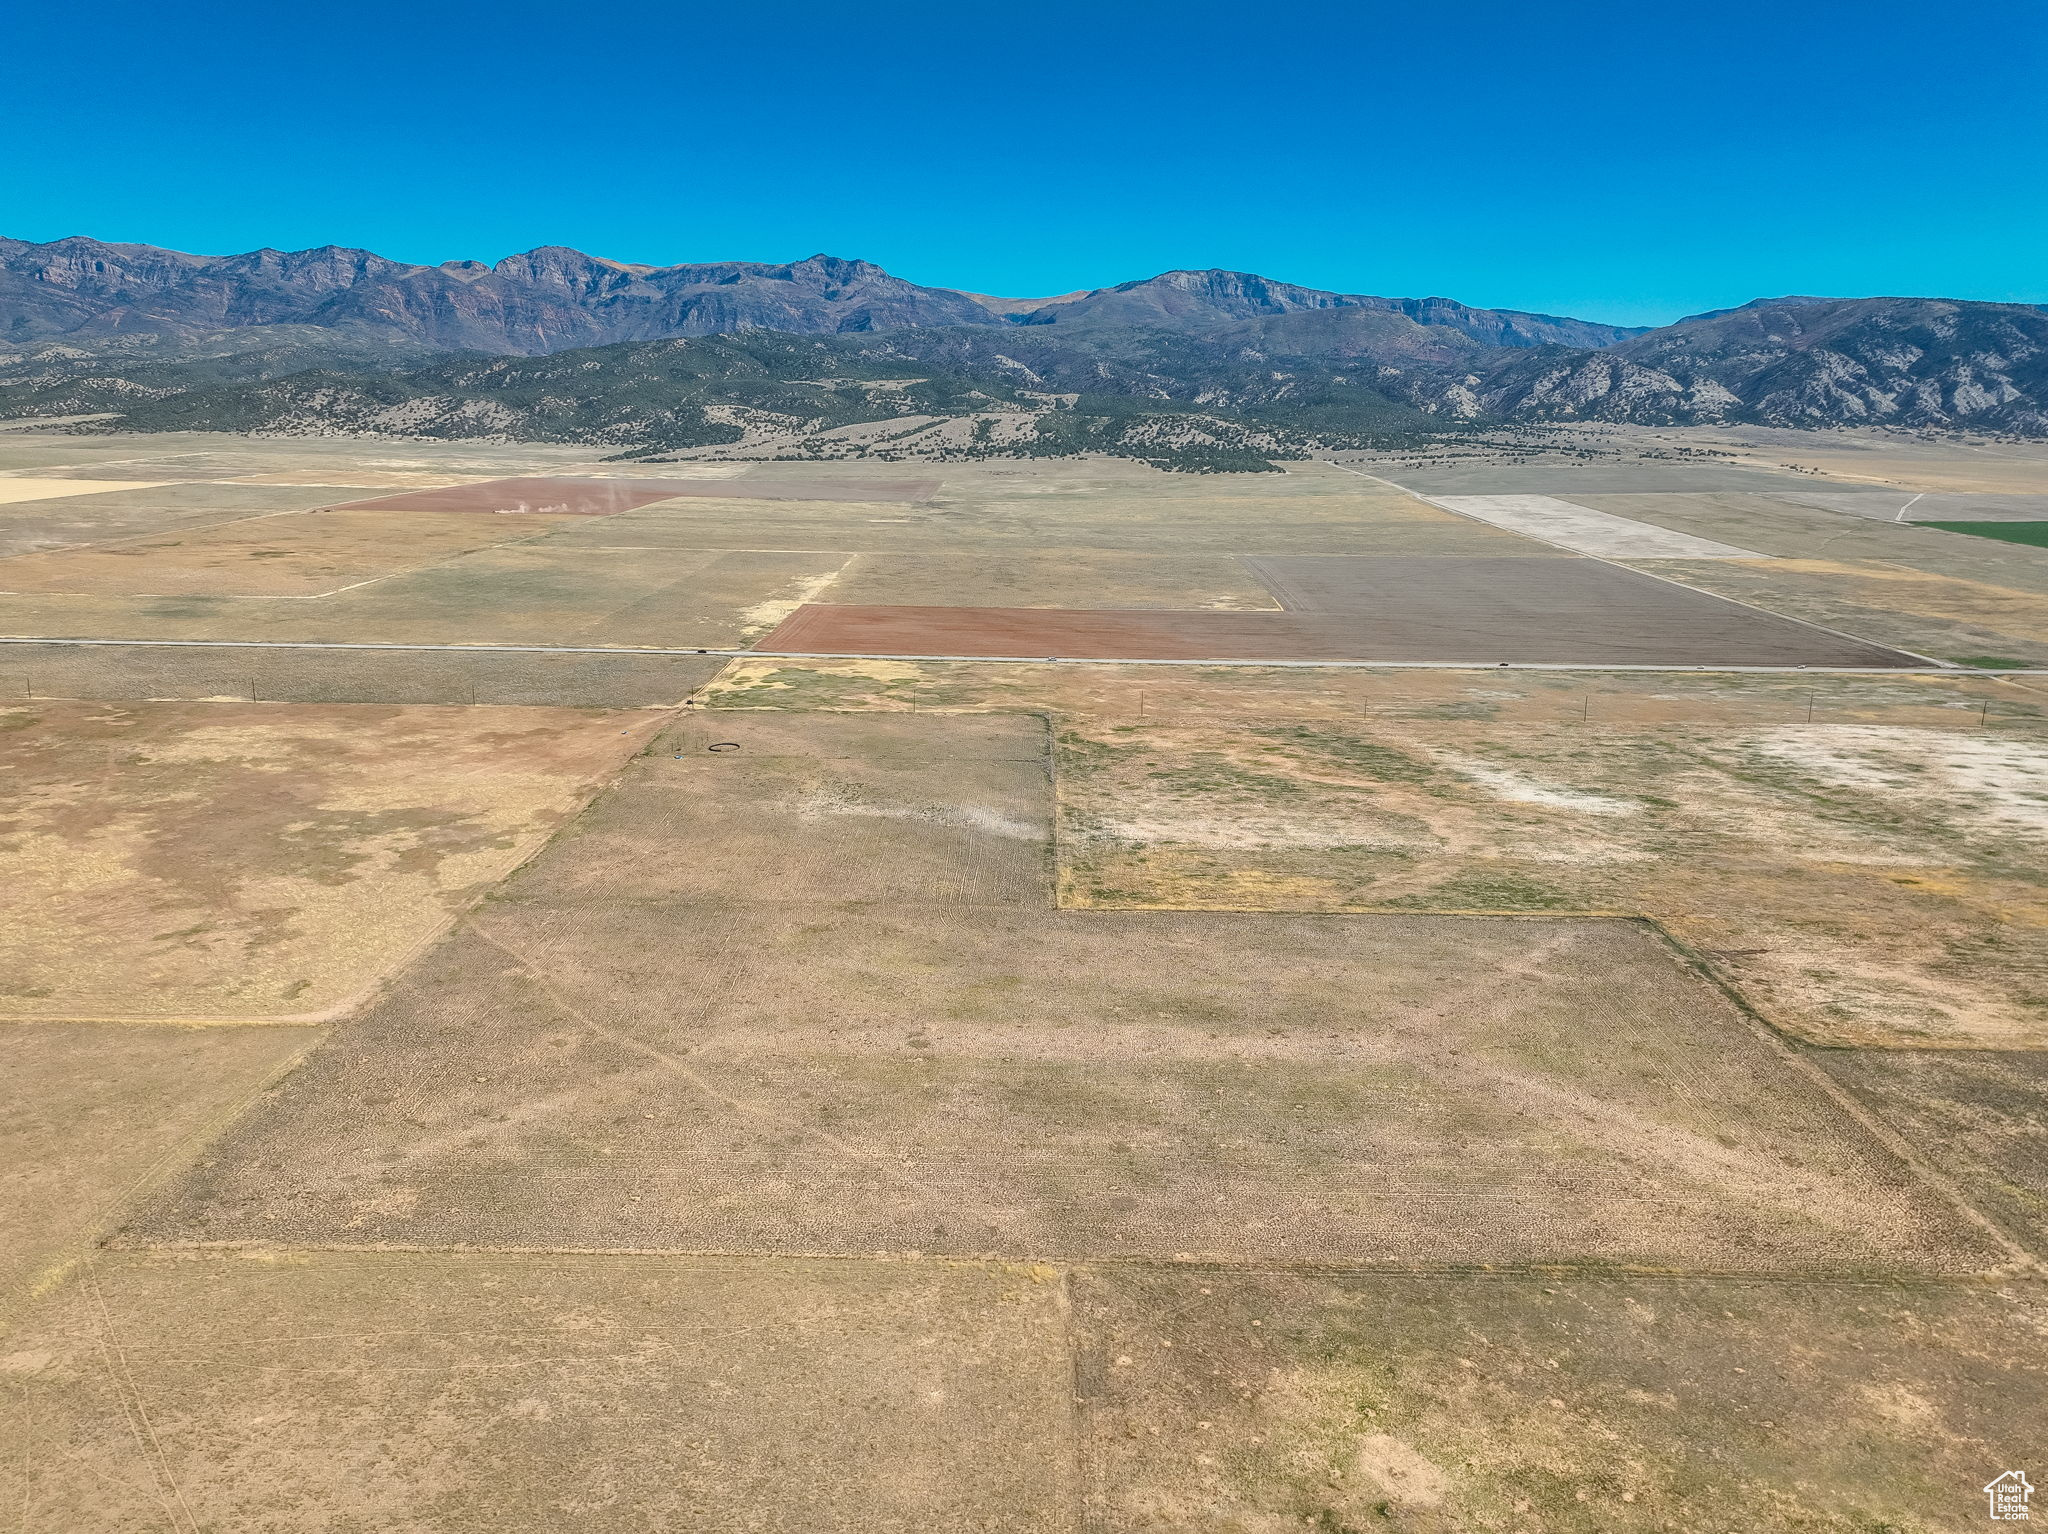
114, 516
831, 1096
1861, 857
239, 862
96, 1114
124, 673
1241, 1403
864, 1063
1861, 883
293, 554
374, 1391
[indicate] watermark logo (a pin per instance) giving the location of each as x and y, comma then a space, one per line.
2009, 1496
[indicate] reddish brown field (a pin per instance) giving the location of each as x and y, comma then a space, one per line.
1425, 608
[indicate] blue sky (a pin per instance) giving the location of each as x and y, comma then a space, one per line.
1622, 162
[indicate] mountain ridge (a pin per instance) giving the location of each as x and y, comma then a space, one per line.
554, 298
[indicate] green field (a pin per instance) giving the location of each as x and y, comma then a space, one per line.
2033, 534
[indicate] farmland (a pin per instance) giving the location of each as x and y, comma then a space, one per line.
1018, 996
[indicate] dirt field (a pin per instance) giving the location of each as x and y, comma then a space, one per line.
12, 490
1936, 507
888, 1095
867, 1056
1215, 1088
1857, 856
218, 455
1861, 884
380, 1391
773, 482
1018, 513
253, 862
1952, 617
525, 593
1460, 610
1073, 578
539, 594
1876, 457
33, 526
1254, 695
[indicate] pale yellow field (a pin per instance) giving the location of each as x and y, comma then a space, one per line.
247, 862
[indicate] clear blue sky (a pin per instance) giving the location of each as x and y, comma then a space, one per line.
1622, 162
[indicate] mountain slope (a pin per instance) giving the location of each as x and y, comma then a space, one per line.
1169, 399
82, 375
1913, 362
1188, 299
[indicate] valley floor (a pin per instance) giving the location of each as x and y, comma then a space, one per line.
1496, 990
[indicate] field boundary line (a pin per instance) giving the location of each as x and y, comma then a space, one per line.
1862, 1276
1080, 1497
175, 1157
675, 1063
1794, 1052
155, 1020
114, 1359
1692, 960
1932, 668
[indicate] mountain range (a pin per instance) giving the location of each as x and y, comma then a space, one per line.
553, 298
635, 355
